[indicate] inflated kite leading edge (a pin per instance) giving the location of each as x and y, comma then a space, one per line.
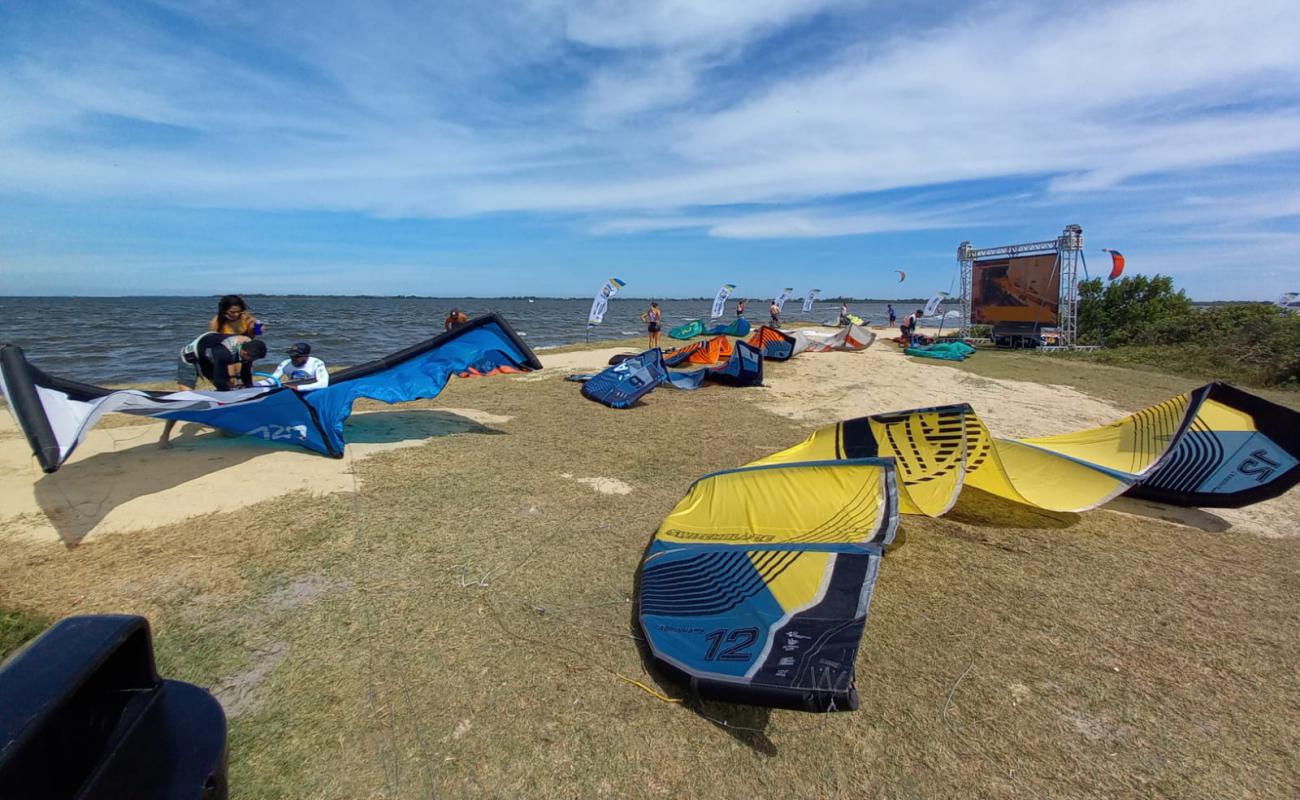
55, 413
1215, 446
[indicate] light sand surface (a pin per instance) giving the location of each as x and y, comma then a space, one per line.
118, 480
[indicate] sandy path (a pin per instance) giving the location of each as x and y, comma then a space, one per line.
118, 479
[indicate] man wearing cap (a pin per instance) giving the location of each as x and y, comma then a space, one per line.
301, 370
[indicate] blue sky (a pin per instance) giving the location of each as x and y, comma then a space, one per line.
536, 147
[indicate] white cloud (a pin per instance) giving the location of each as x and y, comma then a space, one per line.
422, 111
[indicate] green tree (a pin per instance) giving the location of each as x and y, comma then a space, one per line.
1134, 310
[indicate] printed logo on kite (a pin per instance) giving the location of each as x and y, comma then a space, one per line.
280, 433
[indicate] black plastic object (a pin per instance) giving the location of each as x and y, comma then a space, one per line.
83, 714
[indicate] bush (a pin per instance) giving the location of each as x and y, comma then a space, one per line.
1135, 310
1154, 324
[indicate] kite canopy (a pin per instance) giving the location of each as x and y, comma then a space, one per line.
622, 385
756, 589
688, 331
1215, 446
1116, 263
737, 327
55, 413
902, 276
851, 337
947, 351
708, 352
777, 345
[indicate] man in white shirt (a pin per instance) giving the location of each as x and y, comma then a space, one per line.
301, 370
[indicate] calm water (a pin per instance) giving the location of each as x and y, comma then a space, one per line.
125, 339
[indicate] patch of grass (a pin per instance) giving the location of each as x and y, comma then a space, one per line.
17, 628
479, 631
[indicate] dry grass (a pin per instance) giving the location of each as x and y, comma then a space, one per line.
467, 617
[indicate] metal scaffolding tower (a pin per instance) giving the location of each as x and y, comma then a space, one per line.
1067, 248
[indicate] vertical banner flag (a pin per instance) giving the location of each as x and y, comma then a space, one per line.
601, 302
782, 297
809, 299
932, 307
720, 302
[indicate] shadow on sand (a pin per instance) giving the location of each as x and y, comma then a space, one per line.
83, 492
1178, 515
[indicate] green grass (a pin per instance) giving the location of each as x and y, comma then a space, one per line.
474, 632
17, 629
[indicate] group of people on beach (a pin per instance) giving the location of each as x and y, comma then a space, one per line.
653, 317
224, 355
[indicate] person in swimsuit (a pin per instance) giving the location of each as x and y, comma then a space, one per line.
775, 311
652, 317
893, 316
217, 357
844, 313
740, 309
233, 318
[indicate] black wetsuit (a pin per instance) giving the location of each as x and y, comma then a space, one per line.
214, 357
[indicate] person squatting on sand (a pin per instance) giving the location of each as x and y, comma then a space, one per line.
909, 324
215, 356
302, 371
652, 317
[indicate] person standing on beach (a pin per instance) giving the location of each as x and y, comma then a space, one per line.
893, 317
740, 309
775, 311
844, 312
652, 318
454, 320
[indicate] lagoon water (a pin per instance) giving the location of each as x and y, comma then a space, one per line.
129, 339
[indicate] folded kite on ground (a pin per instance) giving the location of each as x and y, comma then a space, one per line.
55, 414
777, 345
688, 331
633, 377
708, 352
739, 327
850, 337
946, 351
756, 587
1215, 446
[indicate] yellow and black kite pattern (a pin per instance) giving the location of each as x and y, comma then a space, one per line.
1213, 446
756, 589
